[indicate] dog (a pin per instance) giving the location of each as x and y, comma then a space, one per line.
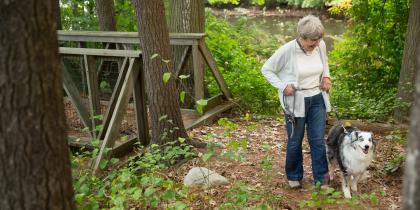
352, 151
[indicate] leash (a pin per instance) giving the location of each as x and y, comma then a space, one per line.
338, 118
290, 115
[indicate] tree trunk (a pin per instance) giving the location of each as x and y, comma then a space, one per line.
163, 98
34, 156
408, 71
187, 16
412, 167
106, 15
58, 15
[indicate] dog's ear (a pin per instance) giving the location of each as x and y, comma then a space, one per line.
354, 135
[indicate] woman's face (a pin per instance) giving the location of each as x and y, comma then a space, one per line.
309, 44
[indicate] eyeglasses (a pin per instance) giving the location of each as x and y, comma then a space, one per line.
315, 40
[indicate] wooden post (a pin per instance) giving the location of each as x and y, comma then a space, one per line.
112, 132
213, 67
114, 98
198, 74
140, 104
93, 92
74, 95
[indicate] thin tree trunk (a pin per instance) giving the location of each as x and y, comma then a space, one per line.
408, 72
187, 16
106, 15
163, 99
412, 167
34, 156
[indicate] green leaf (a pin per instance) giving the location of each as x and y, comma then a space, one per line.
179, 205
169, 194
154, 56
103, 163
114, 160
207, 156
184, 76
84, 189
200, 105
163, 117
149, 191
137, 194
182, 96
181, 140
166, 77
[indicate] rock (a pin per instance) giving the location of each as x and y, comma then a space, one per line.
205, 177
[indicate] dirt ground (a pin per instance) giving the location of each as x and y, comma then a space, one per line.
382, 190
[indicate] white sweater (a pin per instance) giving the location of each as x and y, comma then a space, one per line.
281, 69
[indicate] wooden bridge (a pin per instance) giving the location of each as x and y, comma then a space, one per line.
130, 82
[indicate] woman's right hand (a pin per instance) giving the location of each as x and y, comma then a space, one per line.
289, 90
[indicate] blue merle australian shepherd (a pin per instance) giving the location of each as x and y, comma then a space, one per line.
352, 151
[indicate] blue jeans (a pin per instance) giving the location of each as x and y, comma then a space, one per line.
315, 116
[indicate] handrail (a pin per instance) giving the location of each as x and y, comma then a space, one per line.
124, 37
100, 52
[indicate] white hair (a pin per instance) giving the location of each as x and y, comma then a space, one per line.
310, 27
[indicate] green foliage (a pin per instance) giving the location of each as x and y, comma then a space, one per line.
367, 63
394, 164
239, 61
271, 3
239, 196
79, 15
306, 3
320, 197
398, 136
235, 2
134, 183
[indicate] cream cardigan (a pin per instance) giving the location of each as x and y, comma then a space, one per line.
280, 70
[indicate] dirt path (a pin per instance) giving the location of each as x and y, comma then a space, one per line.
381, 191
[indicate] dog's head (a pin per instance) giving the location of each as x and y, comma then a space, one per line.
363, 141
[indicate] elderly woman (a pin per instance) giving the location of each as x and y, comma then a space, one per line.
299, 70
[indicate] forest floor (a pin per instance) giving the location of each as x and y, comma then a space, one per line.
249, 181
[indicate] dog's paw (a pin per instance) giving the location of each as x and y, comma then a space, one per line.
354, 187
347, 194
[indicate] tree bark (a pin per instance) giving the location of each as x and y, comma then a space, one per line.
412, 167
187, 16
163, 98
34, 156
58, 15
106, 15
408, 71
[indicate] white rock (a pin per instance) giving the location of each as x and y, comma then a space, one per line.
204, 176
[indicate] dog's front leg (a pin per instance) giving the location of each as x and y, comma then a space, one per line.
345, 181
354, 182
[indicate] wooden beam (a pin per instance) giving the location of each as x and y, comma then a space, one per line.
114, 97
123, 37
100, 52
184, 57
112, 132
74, 95
213, 102
210, 114
140, 98
214, 69
93, 91
198, 74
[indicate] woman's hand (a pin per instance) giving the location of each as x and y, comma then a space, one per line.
289, 90
326, 84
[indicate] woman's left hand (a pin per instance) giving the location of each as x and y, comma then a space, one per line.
326, 84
